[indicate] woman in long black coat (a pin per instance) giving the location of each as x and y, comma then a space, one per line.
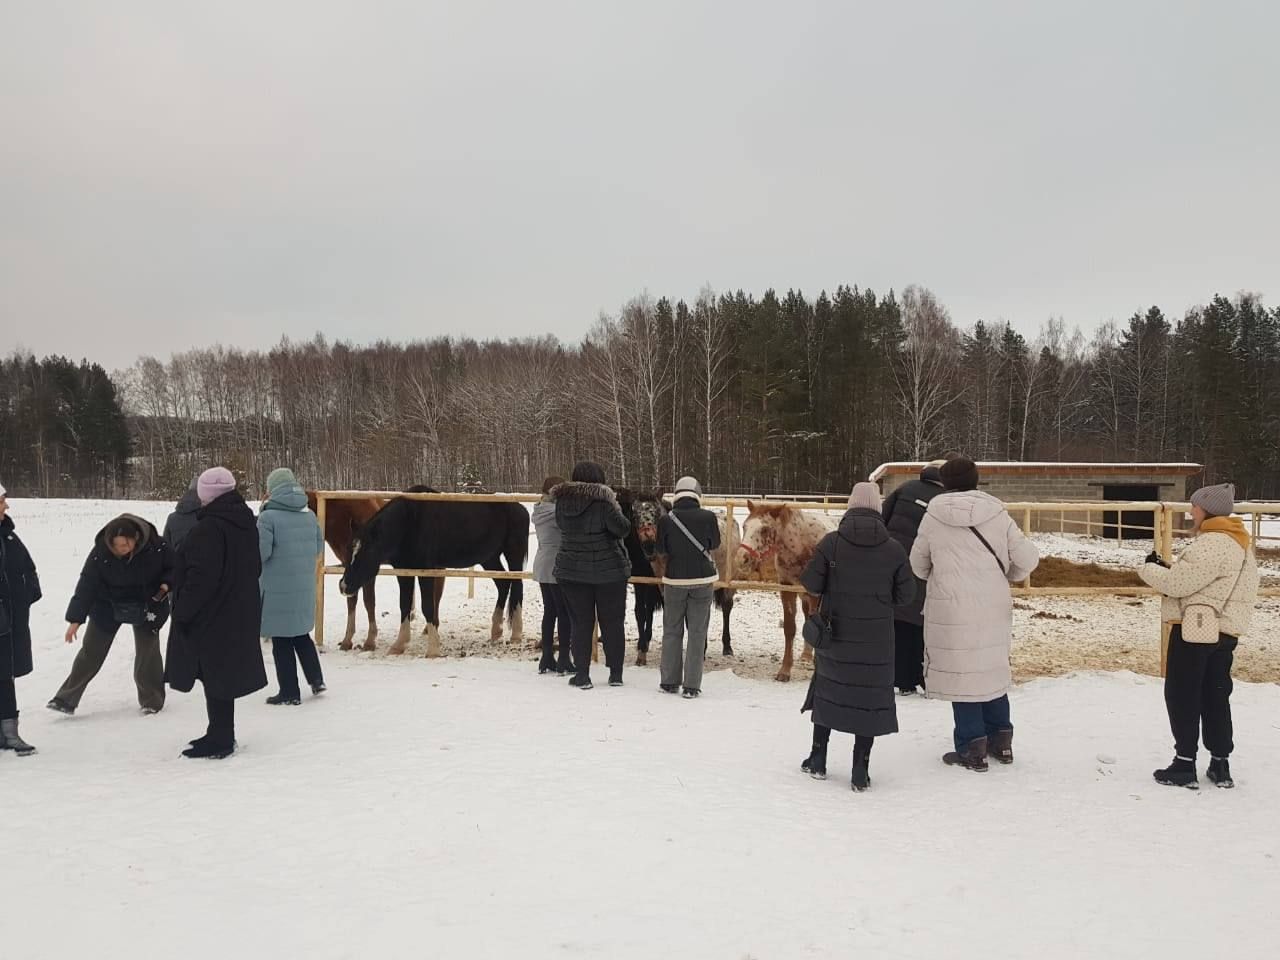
19, 589
218, 612
858, 574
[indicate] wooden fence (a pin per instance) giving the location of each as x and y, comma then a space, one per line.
1163, 531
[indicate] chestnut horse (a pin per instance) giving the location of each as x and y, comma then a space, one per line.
774, 533
342, 518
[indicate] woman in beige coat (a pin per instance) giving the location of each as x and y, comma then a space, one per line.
969, 550
1216, 573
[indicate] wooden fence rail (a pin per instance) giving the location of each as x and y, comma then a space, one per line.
1162, 530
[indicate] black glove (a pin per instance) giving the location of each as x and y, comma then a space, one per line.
1155, 558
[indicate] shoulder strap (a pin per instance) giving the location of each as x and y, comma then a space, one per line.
1235, 583
692, 539
977, 533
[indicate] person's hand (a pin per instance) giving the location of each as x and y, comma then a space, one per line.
72, 630
162, 593
1155, 558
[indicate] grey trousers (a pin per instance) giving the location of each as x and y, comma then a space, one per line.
148, 665
685, 607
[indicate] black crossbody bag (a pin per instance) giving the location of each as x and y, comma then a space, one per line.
817, 630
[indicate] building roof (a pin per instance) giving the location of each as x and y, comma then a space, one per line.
1028, 468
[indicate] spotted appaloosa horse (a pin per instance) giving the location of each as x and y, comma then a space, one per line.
774, 533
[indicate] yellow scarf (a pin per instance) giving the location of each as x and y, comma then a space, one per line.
1231, 526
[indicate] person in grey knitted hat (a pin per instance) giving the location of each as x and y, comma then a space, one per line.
1216, 501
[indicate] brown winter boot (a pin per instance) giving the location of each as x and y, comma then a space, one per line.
973, 758
1000, 746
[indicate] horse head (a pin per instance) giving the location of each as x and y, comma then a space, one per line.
373, 545
646, 510
761, 538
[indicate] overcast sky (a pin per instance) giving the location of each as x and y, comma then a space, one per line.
174, 174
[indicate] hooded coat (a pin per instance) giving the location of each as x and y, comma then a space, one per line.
904, 510
19, 589
592, 528
183, 519
861, 575
289, 543
218, 613
544, 525
107, 580
968, 615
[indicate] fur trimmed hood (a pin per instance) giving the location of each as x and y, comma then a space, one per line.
574, 498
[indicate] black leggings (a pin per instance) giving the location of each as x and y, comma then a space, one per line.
555, 611
8, 699
1197, 693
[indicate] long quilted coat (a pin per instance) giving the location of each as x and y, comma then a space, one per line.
968, 614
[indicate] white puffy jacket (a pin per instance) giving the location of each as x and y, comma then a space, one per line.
968, 613
1205, 573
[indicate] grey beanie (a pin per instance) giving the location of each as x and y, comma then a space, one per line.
686, 488
1219, 501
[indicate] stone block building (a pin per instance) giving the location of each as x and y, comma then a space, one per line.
1071, 483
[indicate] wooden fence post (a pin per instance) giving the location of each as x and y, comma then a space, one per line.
1026, 531
729, 555
320, 564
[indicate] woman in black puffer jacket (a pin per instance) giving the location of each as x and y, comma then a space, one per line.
592, 568
19, 589
126, 580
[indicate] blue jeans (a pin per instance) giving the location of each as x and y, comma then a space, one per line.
974, 720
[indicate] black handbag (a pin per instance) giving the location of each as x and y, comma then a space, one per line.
817, 630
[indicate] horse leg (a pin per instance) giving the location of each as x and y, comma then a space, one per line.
788, 634
726, 608
644, 624
351, 623
431, 589
406, 608
371, 611
495, 621
809, 606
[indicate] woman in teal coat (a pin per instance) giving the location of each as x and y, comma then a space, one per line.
290, 542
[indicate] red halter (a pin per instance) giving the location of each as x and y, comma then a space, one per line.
758, 555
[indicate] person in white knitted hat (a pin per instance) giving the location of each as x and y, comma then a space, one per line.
688, 536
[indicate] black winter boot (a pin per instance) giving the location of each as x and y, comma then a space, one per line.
547, 665
209, 750
974, 756
815, 765
9, 739
57, 706
861, 765
669, 687
1000, 746
615, 677
1220, 773
581, 682
1180, 773
281, 700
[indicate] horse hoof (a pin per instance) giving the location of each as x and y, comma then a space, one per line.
396, 651
642, 659
728, 651
369, 646
345, 645
784, 676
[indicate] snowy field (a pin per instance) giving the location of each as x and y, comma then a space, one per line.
469, 808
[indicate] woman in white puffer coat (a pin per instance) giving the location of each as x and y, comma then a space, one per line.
1215, 577
969, 550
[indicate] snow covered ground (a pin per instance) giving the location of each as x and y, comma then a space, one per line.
468, 807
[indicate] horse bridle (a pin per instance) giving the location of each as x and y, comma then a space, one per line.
758, 555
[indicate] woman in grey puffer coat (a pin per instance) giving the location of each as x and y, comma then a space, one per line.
555, 609
860, 574
592, 568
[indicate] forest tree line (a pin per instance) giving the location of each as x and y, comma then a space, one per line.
769, 394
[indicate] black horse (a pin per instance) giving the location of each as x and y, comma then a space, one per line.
644, 510
435, 534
